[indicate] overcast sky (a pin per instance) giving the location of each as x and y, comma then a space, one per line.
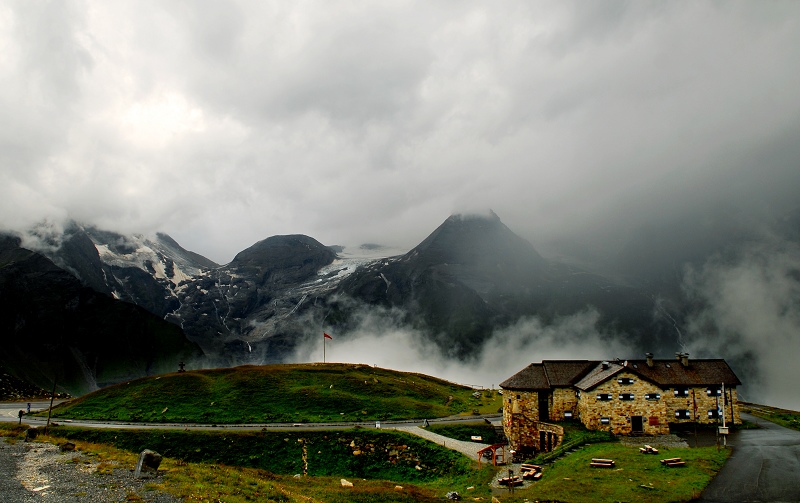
222, 123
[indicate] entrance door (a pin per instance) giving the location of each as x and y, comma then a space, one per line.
544, 406
637, 424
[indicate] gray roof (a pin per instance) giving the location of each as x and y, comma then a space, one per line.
586, 374
531, 377
600, 373
670, 373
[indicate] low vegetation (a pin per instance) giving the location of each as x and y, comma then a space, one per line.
281, 394
467, 430
784, 417
635, 477
575, 435
197, 467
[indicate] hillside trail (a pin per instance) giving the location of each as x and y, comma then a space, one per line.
469, 449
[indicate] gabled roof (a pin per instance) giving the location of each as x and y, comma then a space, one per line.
566, 372
586, 374
600, 373
548, 374
698, 373
531, 377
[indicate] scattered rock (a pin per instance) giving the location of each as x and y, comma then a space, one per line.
398, 488
453, 496
148, 464
31, 433
67, 447
346, 483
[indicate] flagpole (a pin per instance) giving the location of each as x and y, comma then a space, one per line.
323, 348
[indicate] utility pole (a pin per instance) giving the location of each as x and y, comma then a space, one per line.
50, 410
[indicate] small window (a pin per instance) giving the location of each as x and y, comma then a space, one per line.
713, 414
605, 420
604, 397
681, 391
682, 414
568, 414
578, 394
713, 392
626, 396
518, 397
625, 380
652, 396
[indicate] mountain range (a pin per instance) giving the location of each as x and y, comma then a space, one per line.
97, 307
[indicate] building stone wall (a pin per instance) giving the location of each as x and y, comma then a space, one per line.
698, 396
521, 425
563, 400
620, 412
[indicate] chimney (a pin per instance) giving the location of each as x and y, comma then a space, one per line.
605, 365
685, 359
649, 357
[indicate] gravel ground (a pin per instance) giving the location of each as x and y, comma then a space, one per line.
660, 441
32, 472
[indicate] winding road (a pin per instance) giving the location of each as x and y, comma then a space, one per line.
764, 467
9, 412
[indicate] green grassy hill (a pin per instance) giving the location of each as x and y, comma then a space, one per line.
281, 394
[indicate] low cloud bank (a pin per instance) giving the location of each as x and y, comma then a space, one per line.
750, 315
380, 338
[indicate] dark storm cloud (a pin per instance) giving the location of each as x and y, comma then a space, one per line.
225, 122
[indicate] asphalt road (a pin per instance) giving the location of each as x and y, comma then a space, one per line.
9, 412
764, 467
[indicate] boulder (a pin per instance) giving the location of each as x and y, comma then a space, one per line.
67, 447
31, 433
346, 483
148, 464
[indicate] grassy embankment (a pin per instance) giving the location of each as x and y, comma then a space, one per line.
281, 394
636, 476
238, 467
784, 417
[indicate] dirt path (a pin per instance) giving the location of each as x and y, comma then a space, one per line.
469, 449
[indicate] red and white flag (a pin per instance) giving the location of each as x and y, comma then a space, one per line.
327, 336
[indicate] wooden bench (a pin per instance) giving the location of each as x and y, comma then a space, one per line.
673, 462
648, 450
602, 463
510, 481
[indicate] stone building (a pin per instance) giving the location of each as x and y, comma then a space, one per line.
630, 397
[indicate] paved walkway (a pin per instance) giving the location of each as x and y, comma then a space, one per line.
764, 466
469, 449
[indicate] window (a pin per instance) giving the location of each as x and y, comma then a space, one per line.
682, 414
568, 414
604, 397
626, 396
625, 380
605, 420
713, 414
652, 396
681, 391
714, 392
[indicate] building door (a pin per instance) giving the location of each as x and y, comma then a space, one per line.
637, 424
544, 406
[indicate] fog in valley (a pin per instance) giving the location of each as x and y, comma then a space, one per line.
652, 142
